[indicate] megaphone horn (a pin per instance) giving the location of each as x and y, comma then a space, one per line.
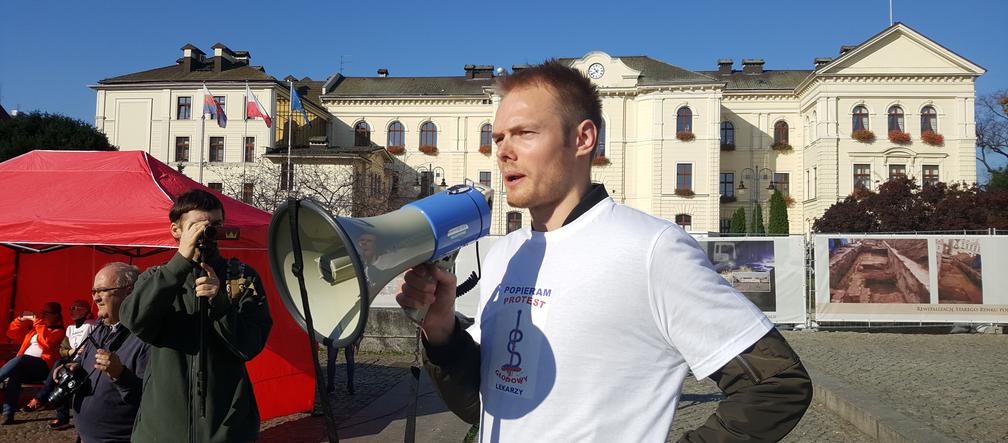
347, 261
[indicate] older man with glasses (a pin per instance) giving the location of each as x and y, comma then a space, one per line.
40, 341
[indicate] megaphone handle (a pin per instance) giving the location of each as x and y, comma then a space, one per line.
446, 263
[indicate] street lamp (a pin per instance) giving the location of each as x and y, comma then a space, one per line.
767, 175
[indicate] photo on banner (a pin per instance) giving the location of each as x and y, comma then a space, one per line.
911, 278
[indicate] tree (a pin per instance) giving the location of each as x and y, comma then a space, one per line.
778, 223
738, 222
900, 205
992, 129
343, 190
35, 130
999, 179
757, 221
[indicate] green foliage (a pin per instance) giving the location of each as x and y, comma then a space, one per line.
900, 205
738, 222
757, 221
778, 223
998, 180
27, 132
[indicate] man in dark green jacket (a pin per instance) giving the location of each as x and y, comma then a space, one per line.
163, 311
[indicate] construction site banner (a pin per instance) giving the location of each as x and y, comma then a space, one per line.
911, 278
769, 271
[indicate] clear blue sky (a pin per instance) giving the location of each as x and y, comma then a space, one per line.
51, 51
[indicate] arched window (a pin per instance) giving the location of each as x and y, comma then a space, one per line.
396, 134
514, 221
780, 133
727, 133
896, 119
684, 120
860, 117
684, 220
601, 141
486, 135
362, 134
428, 134
929, 119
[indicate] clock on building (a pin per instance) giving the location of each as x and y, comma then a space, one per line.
596, 70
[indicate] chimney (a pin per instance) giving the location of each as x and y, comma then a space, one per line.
469, 70
191, 56
845, 48
822, 61
383, 73
483, 71
223, 59
242, 58
516, 68
752, 65
724, 66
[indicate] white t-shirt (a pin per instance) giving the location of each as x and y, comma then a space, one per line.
33, 349
76, 334
587, 332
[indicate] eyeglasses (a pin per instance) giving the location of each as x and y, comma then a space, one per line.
78, 308
95, 291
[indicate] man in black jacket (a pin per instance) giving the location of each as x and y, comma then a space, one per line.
163, 311
115, 359
589, 321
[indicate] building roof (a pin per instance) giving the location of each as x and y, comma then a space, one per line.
768, 80
205, 73
307, 88
655, 72
3, 114
408, 86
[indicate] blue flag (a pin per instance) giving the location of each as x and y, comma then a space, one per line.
296, 104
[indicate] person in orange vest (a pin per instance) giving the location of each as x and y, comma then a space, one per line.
40, 343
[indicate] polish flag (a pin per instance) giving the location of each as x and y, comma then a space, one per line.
255, 109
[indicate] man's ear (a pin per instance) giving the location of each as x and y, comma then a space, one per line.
585, 137
176, 231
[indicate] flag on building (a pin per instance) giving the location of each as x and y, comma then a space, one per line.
213, 107
296, 104
255, 109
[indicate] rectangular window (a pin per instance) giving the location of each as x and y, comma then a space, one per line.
897, 171
782, 183
813, 190
725, 225
248, 189
216, 149
249, 149
930, 175
862, 176
183, 108
181, 149
220, 99
684, 176
286, 176
219, 187
727, 186
484, 178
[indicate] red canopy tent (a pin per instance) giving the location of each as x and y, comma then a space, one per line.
65, 214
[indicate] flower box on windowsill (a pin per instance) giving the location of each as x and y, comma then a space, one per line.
684, 192
789, 201
728, 199
686, 136
485, 149
428, 149
600, 161
397, 150
932, 138
727, 146
863, 135
780, 146
899, 137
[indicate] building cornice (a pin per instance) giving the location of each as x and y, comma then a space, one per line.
405, 101
884, 78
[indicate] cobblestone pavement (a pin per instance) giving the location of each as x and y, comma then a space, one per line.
699, 399
955, 383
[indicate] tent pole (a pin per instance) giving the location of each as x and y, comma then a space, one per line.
14, 278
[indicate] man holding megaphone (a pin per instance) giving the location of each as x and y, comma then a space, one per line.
593, 274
